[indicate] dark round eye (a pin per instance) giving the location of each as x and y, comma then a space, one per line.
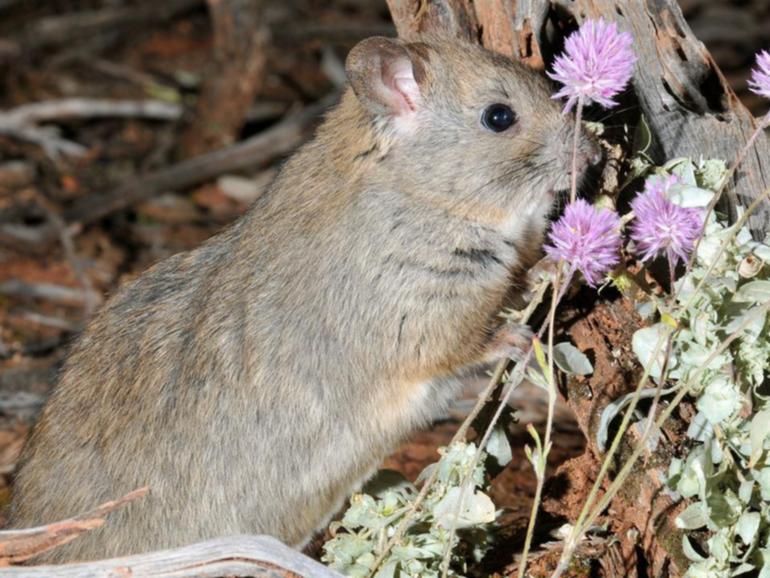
498, 117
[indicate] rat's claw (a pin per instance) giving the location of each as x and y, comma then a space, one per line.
511, 340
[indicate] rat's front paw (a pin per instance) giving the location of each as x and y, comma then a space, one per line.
510, 340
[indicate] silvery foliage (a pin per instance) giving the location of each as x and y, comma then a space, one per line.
370, 522
725, 476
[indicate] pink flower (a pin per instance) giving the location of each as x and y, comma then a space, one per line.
661, 226
596, 65
587, 239
760, 76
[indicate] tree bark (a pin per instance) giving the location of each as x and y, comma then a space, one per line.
235, 75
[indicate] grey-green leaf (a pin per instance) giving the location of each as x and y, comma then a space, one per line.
571, 360
753, 292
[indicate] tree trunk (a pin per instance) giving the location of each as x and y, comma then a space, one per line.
235, 75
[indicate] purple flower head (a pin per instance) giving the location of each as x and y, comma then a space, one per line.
596, 64
760, 76
587, 239
661, 226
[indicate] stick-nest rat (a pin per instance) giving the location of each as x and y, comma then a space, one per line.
254, 382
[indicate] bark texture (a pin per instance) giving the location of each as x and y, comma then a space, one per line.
235, 75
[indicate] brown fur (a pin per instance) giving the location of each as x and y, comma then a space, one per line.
252, 383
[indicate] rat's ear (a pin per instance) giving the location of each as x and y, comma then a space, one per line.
385, 75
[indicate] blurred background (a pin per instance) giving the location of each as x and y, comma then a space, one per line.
123, 141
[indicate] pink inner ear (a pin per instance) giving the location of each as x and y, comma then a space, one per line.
400, 83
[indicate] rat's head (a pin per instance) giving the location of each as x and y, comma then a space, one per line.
465, 129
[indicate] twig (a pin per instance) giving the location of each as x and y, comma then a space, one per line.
20, 122
53, 146
75, 26
20, 545
67, 108
48, 292
49, 321
91, 298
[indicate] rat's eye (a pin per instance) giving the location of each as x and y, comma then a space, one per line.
498, 117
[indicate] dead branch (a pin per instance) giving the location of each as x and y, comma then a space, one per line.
60, 294
233, 556
248, 154
53, 213
235, 75
61, 30
20, 122
20, 545
50, 321
69, 108
53, 145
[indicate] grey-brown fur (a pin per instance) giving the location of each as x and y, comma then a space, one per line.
252, 383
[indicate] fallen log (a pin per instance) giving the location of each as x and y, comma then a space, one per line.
261, 556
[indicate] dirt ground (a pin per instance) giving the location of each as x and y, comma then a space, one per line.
48, 289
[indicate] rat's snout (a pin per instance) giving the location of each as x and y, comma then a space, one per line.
589, 148
589, 152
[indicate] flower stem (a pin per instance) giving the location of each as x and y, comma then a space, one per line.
575, 141
516, 377
577, 530
559, 288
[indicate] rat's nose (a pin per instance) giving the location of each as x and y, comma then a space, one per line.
590, 149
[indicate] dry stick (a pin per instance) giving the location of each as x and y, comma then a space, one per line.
76, 26
19, 122
90, 297
461, 432
575, 137
244, 555
558, 292
52, 145
59, 294
642, 444
20, 545
68, 108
